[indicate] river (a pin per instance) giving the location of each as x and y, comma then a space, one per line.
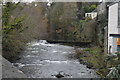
44, 60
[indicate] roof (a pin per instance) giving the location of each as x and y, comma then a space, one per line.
95, 10
112, 3
90, 12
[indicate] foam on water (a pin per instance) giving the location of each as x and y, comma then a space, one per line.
34, 51
58, 62
41, 59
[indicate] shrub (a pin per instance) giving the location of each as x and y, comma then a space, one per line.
11, 41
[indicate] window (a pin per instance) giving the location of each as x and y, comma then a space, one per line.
118, 48
118, 44
87, 15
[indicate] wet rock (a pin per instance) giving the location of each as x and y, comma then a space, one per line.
59, 75
89, 66
82, 72
18, 58
85, 55
43, 41
16, 65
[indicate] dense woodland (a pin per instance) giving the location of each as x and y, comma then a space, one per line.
68, 22
21, 26
18, 29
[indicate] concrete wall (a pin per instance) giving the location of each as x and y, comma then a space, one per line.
101, 8
10, 71
112, 27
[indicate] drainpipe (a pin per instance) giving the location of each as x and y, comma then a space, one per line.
106, 39
110, 49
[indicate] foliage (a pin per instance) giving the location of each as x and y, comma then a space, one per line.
93, 56
66, 26
7, 9
92, 51
90, 8
102, 22
16, 24
11, 43
113, 64
82, 22
114, 72
106, 65
88, 19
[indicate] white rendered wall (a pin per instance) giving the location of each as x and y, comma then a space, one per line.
93, 15
112, 26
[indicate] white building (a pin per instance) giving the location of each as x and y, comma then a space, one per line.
114, 28
91, 15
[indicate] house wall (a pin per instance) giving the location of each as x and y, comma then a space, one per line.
119, 18
112, 27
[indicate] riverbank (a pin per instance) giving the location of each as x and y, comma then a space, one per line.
95, 59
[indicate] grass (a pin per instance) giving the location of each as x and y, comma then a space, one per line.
92, 56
